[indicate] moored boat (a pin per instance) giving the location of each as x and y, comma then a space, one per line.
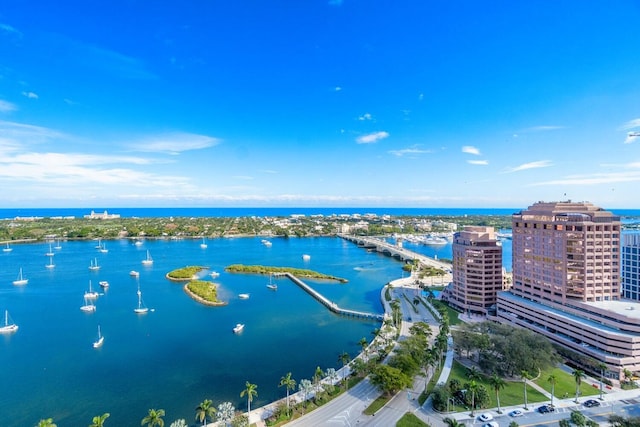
8, 325
238, 328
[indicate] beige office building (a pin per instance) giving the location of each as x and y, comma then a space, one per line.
566, 283
477, 270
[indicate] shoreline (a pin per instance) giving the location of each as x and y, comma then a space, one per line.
202, 300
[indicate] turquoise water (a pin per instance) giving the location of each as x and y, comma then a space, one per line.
182, 352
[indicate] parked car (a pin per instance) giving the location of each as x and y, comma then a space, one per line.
491, 424
485, 417
591, 403
545, 409
516, 413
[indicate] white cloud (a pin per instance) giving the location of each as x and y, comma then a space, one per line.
478, 162
337, 89
7, 107
372, 137
174, 143
531, 165
542, 128
365, 116
31, 95
631, 137
408, 151
631, 124
9, 29
470, 150
22, 134
598, 178
421, 97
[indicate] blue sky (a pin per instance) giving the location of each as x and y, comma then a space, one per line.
319, 103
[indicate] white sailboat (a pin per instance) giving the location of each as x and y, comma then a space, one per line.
50, 253
51, 264
21, 280
272, 285
94, 265
141, 309
99, 245
98, 343
8, 325
148, 260
204, 245
103, 248
91, 294
88, 306
7, 248
57, 246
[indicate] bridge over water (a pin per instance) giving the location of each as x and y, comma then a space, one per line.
384, 247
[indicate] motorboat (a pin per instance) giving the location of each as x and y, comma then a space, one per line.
243, 296
238, 328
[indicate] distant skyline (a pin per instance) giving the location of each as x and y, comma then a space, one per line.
319, 103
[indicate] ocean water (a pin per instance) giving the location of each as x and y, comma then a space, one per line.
182, 352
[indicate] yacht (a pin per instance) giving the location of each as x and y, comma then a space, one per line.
104, 284
134, 273
266, 242
93, 266
88, 306
238, 328
21, 280
98, 343
91, 294
148, 260
243, 296
8, 325
204, 245
7, 248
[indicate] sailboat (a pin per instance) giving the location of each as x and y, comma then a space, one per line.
91, 294
99, 245
51, 264
57, 246
94, 265
141, 309
203, 245
8, 326
21, 280
88, 306
272, 285
50, 253
103, 248
148, 260
98, 343
7, 248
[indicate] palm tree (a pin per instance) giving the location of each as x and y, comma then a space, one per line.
98, 421
473, 387
603, 368
363, 345
344, 358
48, 422
525, 376
473, 373
333, 376
205, 410
552, 380
497, 384
578, 375
317, 376
251, 390
179, 423
452, 422
627, 374
154, 418
305, 387
290, 384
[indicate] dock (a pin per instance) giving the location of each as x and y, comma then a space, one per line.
332, 306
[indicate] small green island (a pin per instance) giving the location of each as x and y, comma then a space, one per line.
298, 272
184, 274
200, 290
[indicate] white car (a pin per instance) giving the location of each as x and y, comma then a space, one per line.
485, 417
516, 413
491, 424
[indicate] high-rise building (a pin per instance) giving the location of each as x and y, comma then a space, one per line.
631, 267
566, 284
477, 270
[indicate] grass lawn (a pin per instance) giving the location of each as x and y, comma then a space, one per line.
453, 314
512, 394
565, 384
410, 420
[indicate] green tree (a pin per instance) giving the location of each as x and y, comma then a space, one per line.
497, 384
204, 411
225, 412
179, 423
578, 375
47, 422
473, 388
525, 376
250, 391
290, 384
552, 380
317, 377
153, 418
345, 359
363, 345
389, 379
305, 387
98, 421
603, 368
578, 418
452, 422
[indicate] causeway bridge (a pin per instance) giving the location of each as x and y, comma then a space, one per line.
332, 306
382, 246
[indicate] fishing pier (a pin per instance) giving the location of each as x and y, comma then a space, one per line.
332, 306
